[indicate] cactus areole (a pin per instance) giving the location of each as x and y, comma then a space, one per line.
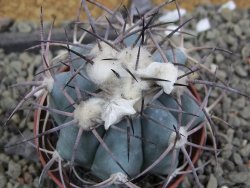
124, 112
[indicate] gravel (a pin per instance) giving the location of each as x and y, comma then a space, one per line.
14, 170
230, 30
212, 182
19, 165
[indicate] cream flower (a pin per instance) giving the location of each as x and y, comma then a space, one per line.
116, 109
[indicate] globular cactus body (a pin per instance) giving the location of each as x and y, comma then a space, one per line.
151, 133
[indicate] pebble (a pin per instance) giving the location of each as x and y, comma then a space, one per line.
212, 182
1, 168
227, 14
218, 170
239, 134
6, 103
241, 71
24, 27
16, 118
242, 168
14, 170
3, 181
32, 169
245, 52
221, 74
237, 159
240, 102
226, 103
245, 123
229, 165
219, 58
246, 135
234, 120
239, 177
237, 30
227, 152
36, 182
27, 178
26, 58
212, 34
245, 113
224, 186
10, 185
236, 142
230, 134
245, 151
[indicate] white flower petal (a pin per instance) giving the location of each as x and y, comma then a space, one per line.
116, 109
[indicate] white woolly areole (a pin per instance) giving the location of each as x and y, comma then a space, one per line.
119, 178
38, 93
101, 71
108, 63
49, 83
88, 113
131, 89
116, 109
128, 58
56, 156
105, 52
182, 81
166, 71
182, 140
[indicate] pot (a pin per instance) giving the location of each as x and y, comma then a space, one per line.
49, 141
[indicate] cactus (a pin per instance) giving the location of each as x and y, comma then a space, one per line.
123, 108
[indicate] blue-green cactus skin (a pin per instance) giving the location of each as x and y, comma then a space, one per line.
159, 135
187, 104
103, 165
129, 41
173, 56
86, 149
191, 106
57, 99
77, 61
